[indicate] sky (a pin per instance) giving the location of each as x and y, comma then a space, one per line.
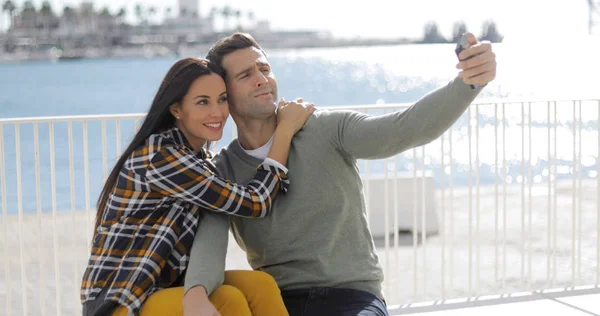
516, 19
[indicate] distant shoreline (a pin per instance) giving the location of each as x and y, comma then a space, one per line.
53, 54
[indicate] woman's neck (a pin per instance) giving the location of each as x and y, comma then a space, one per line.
196, 143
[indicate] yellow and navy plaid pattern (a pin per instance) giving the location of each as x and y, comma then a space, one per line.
148, 225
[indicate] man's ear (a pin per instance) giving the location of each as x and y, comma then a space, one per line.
175, 109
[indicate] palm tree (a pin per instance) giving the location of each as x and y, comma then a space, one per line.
28, 6
9, 7
68, 13
432, 34
29, 14
46, 8
105, 19
227, 11
47, 14
139, 13
238, 17
121, 15
490, 32
105, 12
87, 11
251, 17
151, 12
459, 29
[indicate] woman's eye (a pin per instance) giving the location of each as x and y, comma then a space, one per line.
223, 99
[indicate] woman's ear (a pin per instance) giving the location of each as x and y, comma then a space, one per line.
175, 109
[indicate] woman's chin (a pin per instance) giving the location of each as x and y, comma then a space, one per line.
215, 137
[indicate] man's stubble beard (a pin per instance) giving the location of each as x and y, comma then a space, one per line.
263, 111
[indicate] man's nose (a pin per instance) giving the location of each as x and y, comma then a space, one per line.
262, 80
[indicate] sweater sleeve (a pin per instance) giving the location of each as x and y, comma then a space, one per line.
207, 257
374, 137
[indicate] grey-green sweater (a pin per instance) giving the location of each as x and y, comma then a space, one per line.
317, 234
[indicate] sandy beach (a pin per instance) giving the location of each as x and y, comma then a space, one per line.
38, 269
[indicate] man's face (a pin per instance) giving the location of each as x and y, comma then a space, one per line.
251, 85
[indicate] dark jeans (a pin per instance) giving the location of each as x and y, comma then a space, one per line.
333, 302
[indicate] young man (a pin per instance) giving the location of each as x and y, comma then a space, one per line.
316, 243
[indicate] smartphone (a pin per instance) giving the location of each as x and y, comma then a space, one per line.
462, 44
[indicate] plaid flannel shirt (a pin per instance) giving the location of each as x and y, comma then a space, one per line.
151, 217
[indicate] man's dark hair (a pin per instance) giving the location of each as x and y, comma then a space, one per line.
228, 45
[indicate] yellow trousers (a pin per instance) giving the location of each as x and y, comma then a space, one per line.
243, 293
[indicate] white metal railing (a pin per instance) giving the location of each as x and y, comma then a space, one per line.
511, 191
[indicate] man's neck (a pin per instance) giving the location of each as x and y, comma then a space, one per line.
253, 134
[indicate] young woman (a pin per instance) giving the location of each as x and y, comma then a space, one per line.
155, 196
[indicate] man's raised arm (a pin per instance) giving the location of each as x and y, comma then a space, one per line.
373, 137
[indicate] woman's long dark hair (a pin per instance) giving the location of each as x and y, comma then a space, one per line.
173, 88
